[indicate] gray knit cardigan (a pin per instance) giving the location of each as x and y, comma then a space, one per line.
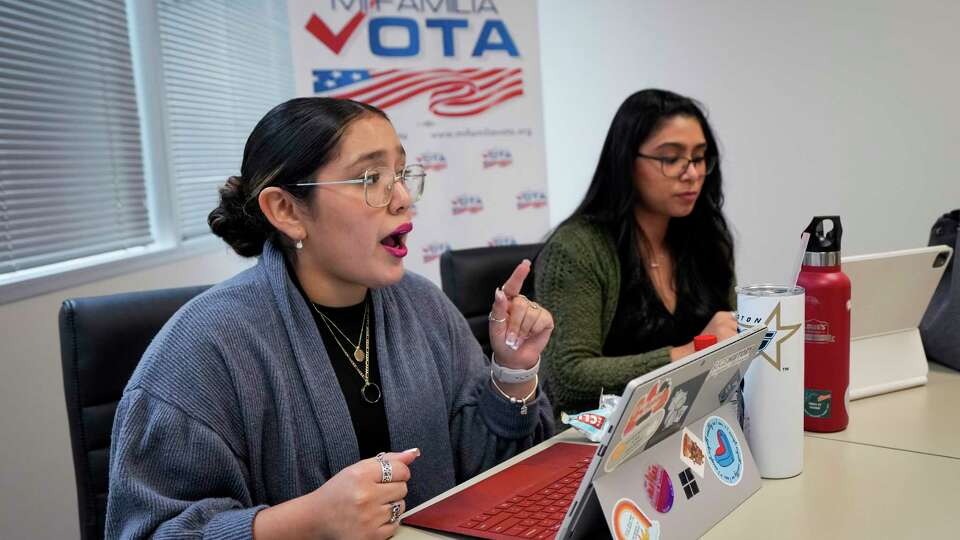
235, 406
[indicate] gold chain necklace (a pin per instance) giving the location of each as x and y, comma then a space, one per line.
370, 392
358, 355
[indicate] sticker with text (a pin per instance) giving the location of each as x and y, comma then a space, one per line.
816, 403
723, 450
644, 420
630, 523
633, 444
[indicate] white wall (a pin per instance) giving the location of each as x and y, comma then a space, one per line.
37, 491
821, 107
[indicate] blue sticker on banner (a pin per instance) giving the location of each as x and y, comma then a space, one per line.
723, 450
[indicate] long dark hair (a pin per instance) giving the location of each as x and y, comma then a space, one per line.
289, 144
700, 243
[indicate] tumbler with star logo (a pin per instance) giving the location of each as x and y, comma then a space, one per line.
773, 383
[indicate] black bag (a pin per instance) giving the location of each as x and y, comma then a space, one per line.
940, 327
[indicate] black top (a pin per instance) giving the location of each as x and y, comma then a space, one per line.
642, 322
369, 419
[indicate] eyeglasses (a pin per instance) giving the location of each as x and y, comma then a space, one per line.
676, 166
378, 184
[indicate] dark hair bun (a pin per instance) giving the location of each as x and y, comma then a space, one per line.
289, 143
245, 229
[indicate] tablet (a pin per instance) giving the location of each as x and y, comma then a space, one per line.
889, 294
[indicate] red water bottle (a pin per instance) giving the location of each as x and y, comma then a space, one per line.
827, 328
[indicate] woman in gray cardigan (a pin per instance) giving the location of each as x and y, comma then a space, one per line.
257, 408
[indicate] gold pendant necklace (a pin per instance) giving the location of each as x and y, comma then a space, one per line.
370, 391
358, 354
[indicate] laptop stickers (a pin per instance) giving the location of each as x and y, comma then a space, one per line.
729, 390
659, 488
688, 482
656, 416
693, 453
678, 407
644, 420
630, 523
723, 450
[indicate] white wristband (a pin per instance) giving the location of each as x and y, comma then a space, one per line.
509, 375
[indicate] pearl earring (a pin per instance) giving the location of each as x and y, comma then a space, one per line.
299, 244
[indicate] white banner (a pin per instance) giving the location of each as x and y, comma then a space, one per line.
460, 79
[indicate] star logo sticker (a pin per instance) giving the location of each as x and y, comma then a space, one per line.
777, 334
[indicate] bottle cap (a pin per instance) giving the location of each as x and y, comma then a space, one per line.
821, 239
701, 342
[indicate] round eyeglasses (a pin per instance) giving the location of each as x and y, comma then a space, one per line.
378, 183
676, 166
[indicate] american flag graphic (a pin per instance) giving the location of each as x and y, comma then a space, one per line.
451, 92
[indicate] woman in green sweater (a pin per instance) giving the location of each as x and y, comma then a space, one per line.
645, 263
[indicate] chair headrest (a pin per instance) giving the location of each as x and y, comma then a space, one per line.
469, 276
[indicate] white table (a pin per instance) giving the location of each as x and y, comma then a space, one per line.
925, 419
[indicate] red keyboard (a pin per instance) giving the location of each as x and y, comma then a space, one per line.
536, 514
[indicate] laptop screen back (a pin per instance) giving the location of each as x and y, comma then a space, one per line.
662, 403
890, 291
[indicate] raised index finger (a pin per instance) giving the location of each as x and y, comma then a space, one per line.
513, 285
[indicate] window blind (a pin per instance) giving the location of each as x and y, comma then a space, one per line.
225, 64
71, 171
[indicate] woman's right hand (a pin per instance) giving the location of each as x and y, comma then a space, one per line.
723, 324
351, 504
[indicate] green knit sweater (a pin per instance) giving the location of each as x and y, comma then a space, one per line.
578, 280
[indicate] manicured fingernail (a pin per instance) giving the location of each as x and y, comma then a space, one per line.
413, 451
499, 295
527, 261
511, 340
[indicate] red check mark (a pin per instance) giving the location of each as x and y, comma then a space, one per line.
334, 42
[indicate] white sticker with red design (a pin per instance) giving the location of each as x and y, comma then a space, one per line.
643, 422
630, 523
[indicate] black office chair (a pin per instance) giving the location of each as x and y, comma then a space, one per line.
469, 277
101, 341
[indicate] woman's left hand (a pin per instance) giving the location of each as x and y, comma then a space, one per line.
519, 327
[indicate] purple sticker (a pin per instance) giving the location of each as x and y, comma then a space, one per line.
659, 488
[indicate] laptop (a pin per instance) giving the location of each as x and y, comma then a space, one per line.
889, 294
673, 461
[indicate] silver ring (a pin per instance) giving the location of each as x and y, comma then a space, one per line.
394, 511
490, 317
386, 469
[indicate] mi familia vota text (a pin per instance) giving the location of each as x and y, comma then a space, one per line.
397, 27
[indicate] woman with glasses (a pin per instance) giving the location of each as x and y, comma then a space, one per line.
645, 263
279, 403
